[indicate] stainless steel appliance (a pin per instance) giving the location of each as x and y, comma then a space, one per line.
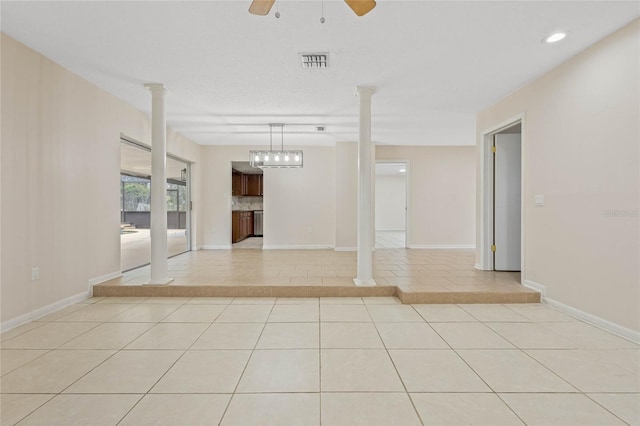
257, 223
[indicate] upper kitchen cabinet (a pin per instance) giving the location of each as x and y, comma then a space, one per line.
238, 184
254, 184
245, 180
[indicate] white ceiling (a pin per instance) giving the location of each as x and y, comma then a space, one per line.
435, 63
244, 167
138, 162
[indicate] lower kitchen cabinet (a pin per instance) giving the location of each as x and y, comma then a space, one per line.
241, 225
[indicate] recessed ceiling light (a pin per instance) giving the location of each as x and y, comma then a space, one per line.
555, 37
403, 170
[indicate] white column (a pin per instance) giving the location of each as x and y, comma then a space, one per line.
365, 185
159, 262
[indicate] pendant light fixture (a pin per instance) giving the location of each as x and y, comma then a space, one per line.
276, 159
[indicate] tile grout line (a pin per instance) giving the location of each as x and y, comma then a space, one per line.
406, 391
235, 389
55, 395
580, 392
109, 357
472, 369
605, 408
175, 362
320, 348
123, 349
516, 347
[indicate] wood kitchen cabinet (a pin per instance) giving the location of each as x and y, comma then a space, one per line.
244, 184
238, 183
241, 225
254, 184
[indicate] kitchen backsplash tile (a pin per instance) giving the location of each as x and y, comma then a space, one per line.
246, 203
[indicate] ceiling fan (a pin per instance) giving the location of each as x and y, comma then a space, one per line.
359, 7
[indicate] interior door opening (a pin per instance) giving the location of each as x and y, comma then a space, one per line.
391, 205
247, 212
507, 199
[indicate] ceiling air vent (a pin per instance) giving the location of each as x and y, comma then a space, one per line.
314, 60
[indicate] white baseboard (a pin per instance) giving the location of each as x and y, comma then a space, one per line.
301, 247
221, 247
537, 287
45, 310
478, 267
346, 248
443, 246
602, 323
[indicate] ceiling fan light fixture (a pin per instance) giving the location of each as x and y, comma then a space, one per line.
261, 7
361, 7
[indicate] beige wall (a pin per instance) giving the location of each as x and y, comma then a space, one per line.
60, 179
441, 200
581, 151
442, 193
299, 204
346, 195
391, 202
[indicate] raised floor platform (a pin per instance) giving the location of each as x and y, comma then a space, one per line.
414, 276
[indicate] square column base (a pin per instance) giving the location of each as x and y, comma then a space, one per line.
165, 281
365, 283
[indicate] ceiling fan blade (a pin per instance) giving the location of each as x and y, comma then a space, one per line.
261, 7
361, 7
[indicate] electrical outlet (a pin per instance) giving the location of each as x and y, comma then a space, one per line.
310, 230
539, 200
35, 273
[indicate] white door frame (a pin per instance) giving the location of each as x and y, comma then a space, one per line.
407, 218
485, 211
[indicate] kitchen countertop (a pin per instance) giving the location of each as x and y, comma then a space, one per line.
246, 210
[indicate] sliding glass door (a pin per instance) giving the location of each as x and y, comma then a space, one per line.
135, 205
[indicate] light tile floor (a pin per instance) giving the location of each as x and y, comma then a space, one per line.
417, 270
329, 361
390, 239
249, 243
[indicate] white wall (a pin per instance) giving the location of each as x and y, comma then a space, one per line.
60, 179
391, 191
581, 151
299, 204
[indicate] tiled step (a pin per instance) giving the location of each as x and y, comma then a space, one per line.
410, 297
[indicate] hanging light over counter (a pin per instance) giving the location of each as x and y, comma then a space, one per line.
276, 158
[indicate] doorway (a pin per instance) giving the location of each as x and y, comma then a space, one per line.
247, 212
391, 205
502, 234
135, 205
507, 199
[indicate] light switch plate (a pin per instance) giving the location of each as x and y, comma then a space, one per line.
539, 200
